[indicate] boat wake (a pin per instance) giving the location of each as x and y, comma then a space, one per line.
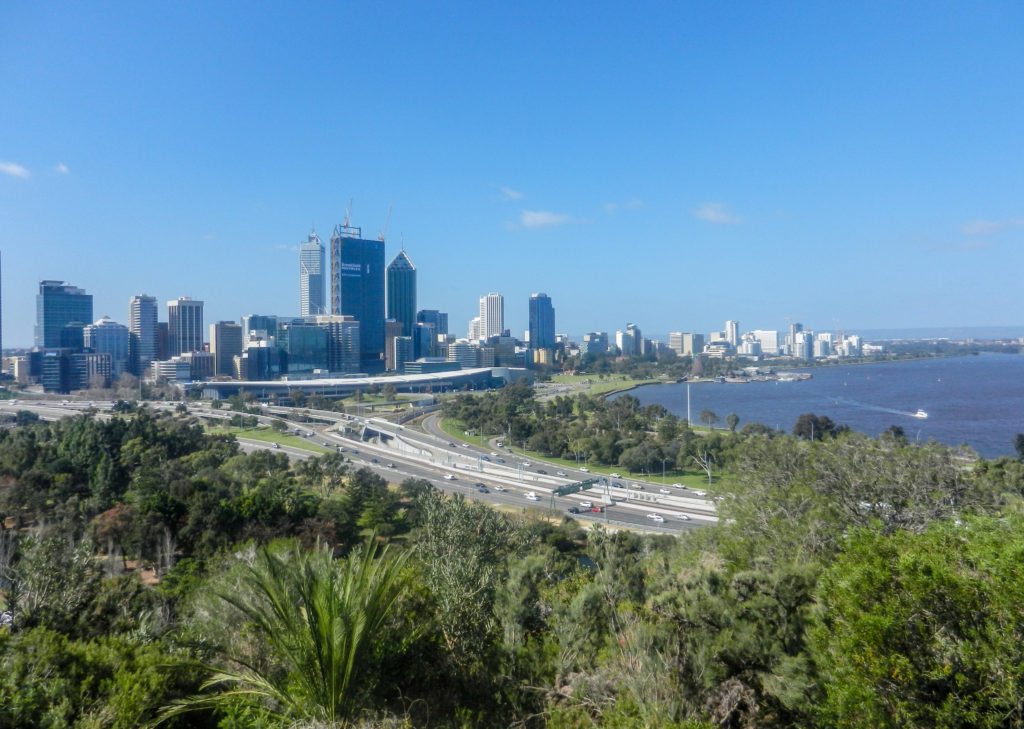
920, 414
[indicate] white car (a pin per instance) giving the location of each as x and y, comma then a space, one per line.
449, 477
494, 453
678, 486
561, 473
656, 517
615, 475
586, 504
499, 487
532, 496
701, 493
683, 517
584, 469
664, 491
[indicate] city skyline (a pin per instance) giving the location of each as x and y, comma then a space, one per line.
676, 164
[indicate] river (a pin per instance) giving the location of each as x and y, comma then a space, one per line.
972, 400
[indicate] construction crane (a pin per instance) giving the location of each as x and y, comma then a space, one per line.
387, 219
348, 213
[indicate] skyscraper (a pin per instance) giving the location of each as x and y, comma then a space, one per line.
106, 336
57, 305
357, 290
311, 277
184, 326
401, 284
437, 319
542, 322
732, 332
492, 315
142, 320
226, 339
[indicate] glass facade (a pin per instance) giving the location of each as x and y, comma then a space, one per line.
542, 322
357, 290
58, 305
401, 279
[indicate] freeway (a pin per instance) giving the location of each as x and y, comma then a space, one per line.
488, 474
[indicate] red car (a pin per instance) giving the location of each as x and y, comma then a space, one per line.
598, 509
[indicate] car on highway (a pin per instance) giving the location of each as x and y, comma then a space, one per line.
563, 474
500, 444
493, 453
683, 517
482, 489
499, 487
656, 517
598, 509
584, 469
586, 504
664, 491
449, 477
678, 486
484, 458
617, 485
573, 510
500, 460
374, 460
327, 445
532, 496
391, 465
541, 472
700, 493
276, 445
615, 475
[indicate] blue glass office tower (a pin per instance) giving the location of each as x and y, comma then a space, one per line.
542, 322
357, 290
57, 305
401, 278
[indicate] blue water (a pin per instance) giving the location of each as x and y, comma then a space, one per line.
976, 400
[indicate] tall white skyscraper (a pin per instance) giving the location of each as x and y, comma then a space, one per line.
142, 318
312, 299
492, 315
732, 332
184, 326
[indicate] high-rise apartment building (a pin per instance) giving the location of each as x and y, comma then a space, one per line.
492, 315
184, 326
57, 305
311, 277
732, 332
357, 290
542, 322
142, 326
226, 339
106, 336
401, 289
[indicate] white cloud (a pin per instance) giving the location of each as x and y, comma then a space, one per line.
614, 207
62, 169
282, 247
14, 170
543, 219
716, 213
988, 227
507, 193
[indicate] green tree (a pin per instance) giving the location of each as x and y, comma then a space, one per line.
304, 632
923, 630
389, 392
1018, 445
709, 418
732, 420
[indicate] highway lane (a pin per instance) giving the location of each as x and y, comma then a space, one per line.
428, 455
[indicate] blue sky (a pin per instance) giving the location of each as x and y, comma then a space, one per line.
669, 164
